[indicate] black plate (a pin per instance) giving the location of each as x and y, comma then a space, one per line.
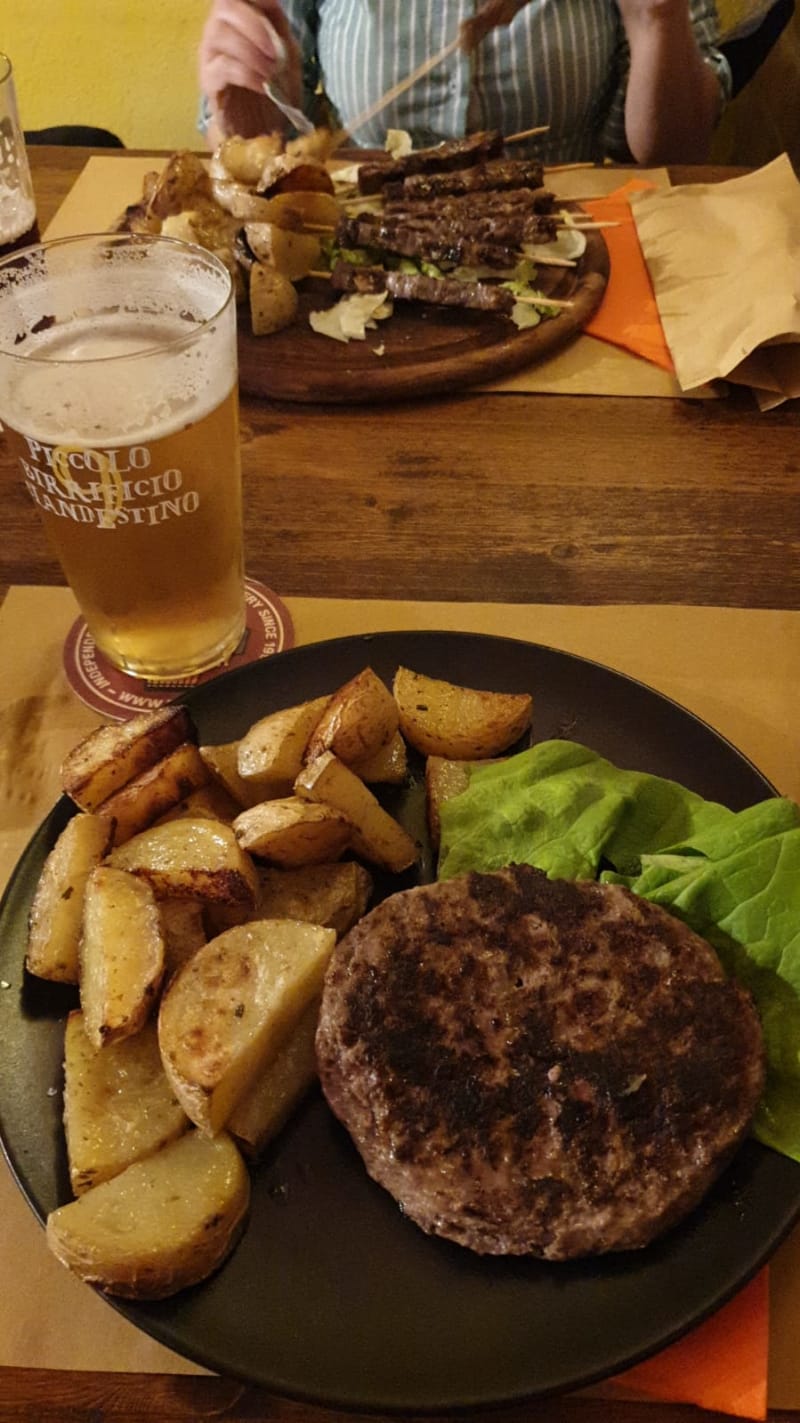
333, 1296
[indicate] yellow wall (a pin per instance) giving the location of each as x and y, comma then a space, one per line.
130, 66
764, 120
126, 65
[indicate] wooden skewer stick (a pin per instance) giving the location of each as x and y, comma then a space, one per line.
544, 301
407, 83
566, 167
587, 226
553, 262
525, 133
525, 300
462, 41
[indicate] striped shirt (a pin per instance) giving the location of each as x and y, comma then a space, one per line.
563, 63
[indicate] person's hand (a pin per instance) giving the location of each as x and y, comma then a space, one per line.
244, 43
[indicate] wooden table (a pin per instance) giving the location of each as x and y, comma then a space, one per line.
504, 498
542, 499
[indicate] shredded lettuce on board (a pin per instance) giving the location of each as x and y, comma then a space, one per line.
352, 317
732, 876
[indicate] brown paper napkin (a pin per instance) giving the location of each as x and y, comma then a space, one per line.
725, 263
737, 668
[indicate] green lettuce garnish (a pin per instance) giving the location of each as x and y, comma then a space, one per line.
733, 877
356, 256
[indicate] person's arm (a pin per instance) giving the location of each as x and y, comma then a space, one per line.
673, 97
237, 54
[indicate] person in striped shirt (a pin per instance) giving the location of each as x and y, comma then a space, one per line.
623, 79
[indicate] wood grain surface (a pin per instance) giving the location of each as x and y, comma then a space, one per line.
422, 350
505, 497
520, 498
62, 1397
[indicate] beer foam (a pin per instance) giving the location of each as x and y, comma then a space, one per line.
17, 213
90, 370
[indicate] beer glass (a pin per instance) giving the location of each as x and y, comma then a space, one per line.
118, 394
17, 206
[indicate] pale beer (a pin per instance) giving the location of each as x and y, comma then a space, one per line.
125, 429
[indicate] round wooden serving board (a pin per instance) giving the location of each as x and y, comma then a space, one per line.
421, 350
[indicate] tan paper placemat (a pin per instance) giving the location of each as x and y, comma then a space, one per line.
586, 367
739, 669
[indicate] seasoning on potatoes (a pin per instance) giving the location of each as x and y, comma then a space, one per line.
458, 723
273, 301
307, 209
294, 254
164, 1223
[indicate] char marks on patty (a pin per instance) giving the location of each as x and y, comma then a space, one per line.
537, 1066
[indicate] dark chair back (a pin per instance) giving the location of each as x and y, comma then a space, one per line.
74, 135
747, 53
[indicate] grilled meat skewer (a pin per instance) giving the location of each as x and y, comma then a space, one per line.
488, 242
444, 245
494, 175
438, 291
512, 201
456, 153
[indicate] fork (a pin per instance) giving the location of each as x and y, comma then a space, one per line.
296, 117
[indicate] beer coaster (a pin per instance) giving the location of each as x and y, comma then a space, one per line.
268, 629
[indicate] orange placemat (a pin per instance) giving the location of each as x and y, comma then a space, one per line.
722, 1365
628, 316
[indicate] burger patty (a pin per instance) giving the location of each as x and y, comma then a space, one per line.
535, 1066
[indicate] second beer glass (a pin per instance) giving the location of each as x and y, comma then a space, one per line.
118, 393
17, 205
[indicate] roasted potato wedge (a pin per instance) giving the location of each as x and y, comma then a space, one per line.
273, 300
270, 754
111, 756
145, 799
229, 1010
244, 158
333, 895
190, 859
443, 780
293, 254
316, 146
208, 802
237, 200
183, 931
183, 181
121, 955
163, 1224
137, 217
56, 917
389, 765
459, 723
299, 176
303, 209
374, 834
118, 1104
206, 224
292, 831
223, 764
279, 1087
359, 720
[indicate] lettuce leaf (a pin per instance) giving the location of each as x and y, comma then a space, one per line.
564, 808
733, 877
